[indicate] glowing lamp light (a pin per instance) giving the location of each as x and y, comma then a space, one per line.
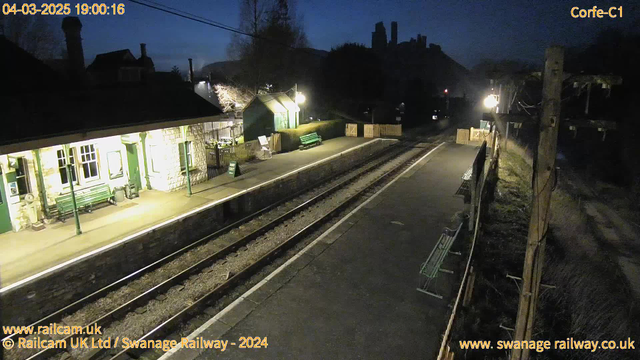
446, 91
300, 98
491, 101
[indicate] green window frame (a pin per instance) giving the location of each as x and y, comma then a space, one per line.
62, 167
22, 176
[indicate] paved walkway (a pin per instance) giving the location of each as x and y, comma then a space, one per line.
28, 252
352, 294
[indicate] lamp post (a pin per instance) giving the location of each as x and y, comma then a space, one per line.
446, 96
490, 102
298, 98
73, 194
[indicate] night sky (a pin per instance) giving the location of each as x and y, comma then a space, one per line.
468, 31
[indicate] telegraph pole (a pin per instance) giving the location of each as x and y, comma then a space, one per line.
543, 182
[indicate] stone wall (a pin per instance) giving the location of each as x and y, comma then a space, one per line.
46, 294
165, 172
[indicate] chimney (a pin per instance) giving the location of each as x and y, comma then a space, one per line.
71, 26
191, 74
143, 50
394, 33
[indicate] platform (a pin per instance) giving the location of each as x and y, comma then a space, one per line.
29, 252
351, 294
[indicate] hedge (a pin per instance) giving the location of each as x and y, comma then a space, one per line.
326, 129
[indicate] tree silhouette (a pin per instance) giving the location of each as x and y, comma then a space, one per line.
352, 78
268, 57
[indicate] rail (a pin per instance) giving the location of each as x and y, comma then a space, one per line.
253, 268
123, 309
74, 306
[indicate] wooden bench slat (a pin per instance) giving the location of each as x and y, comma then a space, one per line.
432, 266
84, 198
310, 139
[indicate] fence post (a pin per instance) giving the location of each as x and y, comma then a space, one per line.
472, 187
217, 151
468, 291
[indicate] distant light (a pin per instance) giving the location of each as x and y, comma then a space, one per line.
201, 83
300, 98
491, 101
434, 117
446, 91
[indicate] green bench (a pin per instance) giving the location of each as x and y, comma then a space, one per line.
85, 199
310, 140
431, 268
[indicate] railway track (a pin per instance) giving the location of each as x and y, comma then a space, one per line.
375, 168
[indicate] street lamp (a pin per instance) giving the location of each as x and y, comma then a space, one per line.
491, 101
446, 96
300, 98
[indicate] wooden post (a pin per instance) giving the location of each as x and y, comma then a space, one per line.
472, 187
543, 180
468, 291
217, 151
477, 174
506, 139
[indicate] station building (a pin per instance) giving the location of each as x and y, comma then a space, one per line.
269, 113
121, 126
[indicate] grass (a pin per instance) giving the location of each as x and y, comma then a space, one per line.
499, 251
592, 299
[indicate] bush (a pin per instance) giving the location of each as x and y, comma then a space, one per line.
328, 129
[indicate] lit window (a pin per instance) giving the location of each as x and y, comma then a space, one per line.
114, 161
89, 161
62, 167
22, 176
189, 155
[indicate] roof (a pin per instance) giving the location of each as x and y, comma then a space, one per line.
21, 72
113, 60
41, 116
35, 115
276, 102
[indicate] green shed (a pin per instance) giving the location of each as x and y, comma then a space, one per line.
269, 113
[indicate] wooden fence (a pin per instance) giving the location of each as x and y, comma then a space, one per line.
479, 206
462, 137
351, 130
371, 130
390, 130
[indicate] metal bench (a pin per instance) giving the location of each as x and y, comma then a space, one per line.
85, 199
431, 268
310, 140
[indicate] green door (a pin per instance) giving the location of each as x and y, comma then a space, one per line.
134, 167
5, 220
